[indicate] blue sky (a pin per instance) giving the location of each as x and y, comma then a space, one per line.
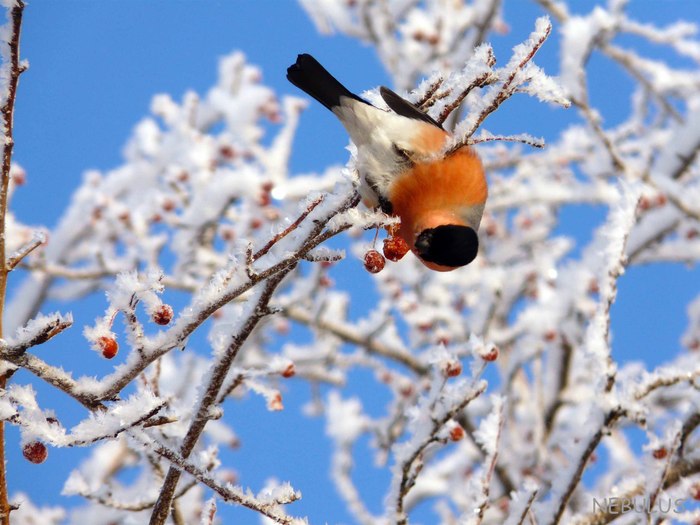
94, 67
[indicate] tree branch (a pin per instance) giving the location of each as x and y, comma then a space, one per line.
7, 112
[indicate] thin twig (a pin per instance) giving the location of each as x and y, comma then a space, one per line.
227, 493
24, 251
503, 94
479, 82
293, 226
412, 466
610, 419
351, 335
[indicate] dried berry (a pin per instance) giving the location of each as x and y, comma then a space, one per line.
108, 346
374, 261
163, 314
395, 248
35, 452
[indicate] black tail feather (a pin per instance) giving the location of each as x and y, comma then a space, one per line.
311, 77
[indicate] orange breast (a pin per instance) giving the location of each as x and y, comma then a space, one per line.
448, 185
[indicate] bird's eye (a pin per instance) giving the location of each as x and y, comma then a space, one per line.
404, 154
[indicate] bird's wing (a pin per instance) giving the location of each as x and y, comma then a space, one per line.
404, 108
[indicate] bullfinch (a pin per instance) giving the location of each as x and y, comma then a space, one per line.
438, 198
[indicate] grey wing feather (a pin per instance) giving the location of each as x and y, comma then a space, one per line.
404, 108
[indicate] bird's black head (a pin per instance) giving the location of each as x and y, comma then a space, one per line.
449, 245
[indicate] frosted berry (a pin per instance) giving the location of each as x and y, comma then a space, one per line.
163, 314
660, 453
374, 261
274, 403
395, 248
695, 491
19, 177
457, 433
491, 354
227, 152
108, 346
452, 369
289, 371
644, 203
35, 452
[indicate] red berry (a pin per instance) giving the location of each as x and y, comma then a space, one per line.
644, 203
550, 335
457, 433
19, 177
406, 390
256, 223
35, 452
227, 152
163, 314
108, 346
491, 229
168, 205
452, 369
265, 199
593, 287
374, 261
695, 491
227, 233
289, 371
395, 248
491, 354
392, 229
275, 402
526, 223
660, 453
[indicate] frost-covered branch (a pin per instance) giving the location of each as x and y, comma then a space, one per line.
267, 505
206, 241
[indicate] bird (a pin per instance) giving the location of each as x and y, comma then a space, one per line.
438, 198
